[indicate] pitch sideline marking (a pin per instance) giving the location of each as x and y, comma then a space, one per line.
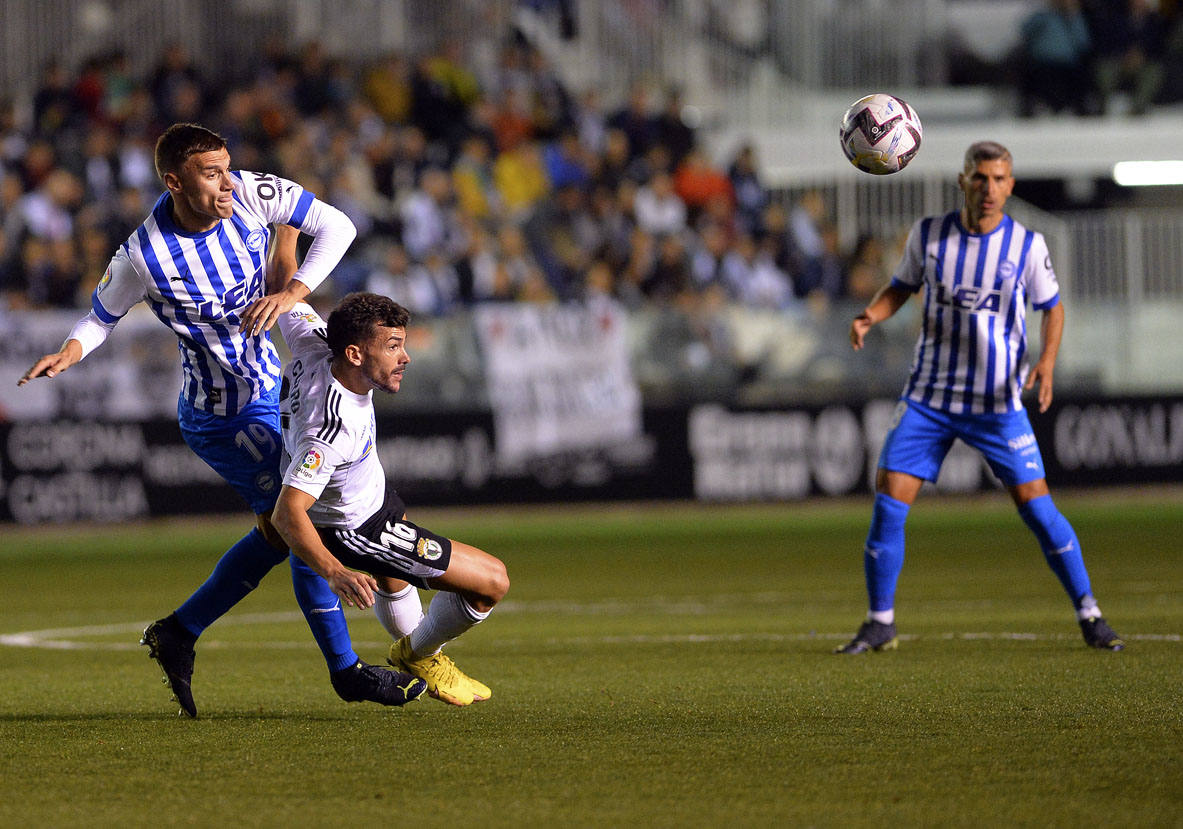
66, 638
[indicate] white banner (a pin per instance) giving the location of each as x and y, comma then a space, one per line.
558, 379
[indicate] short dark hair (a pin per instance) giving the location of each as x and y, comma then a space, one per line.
985, 151
353, 321
180, 141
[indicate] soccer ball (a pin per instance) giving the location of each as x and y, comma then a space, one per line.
880, 134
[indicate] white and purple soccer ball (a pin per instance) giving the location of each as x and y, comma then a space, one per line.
880, 134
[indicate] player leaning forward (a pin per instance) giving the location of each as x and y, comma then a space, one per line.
336, 510
978, 267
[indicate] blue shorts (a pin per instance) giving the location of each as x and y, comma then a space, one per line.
245, 448
920, 437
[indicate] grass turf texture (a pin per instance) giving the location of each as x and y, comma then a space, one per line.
658, 666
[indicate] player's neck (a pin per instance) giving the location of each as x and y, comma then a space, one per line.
980, 223
349, 376
191, 221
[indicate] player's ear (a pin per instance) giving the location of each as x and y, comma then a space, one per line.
172, 181
353, 354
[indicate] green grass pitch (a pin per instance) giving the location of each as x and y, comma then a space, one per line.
658, 665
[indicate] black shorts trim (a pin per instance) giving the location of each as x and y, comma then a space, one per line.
386, 544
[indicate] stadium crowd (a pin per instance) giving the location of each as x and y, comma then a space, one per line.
466, 185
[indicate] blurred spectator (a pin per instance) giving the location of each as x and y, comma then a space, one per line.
178, 90
659, 210
1056, 49
752, 277
612, 166
806, 220
636, 121
521, 180
698, 182
749, 194
472, 179
706, 260
566, 161
1128, 36
671, 129
53, 102
591, 122
314, 91
670, 274
428, 226
387, 86
413, 287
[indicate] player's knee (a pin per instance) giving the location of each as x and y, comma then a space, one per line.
494, 585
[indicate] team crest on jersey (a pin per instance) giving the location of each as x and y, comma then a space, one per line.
265, 482
366, 449
1007, 270
312, 461
256, 240
429, 549
104, 282
313, 318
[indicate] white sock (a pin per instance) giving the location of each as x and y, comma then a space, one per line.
1088, 609
885, 617
401, 612
447, 617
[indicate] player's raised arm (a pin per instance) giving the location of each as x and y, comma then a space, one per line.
332, 233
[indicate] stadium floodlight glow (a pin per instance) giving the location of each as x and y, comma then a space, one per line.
1147, 173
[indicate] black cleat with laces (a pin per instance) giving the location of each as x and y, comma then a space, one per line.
172, 647
370, 683
1098, 634
871, 636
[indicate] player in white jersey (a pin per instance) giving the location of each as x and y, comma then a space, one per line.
337, 511
978, 268
200, 262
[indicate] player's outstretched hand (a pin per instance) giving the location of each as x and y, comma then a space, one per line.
355, 589
51, 365
858, 330
1042, 374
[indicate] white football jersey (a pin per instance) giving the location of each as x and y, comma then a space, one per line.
971, 354
328, 431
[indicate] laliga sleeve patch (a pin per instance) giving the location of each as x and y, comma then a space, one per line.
310, 464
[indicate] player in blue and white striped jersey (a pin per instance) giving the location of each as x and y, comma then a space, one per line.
200, 262
979, 268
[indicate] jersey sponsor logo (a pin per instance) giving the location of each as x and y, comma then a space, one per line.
969, 298
429, 549
256, 239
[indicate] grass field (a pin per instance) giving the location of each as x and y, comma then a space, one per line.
651, 666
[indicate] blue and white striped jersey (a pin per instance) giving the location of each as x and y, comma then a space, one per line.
970, 357
198, 284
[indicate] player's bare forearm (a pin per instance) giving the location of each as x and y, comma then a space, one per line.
290, 517
1041, 374
51, 365
883, 305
